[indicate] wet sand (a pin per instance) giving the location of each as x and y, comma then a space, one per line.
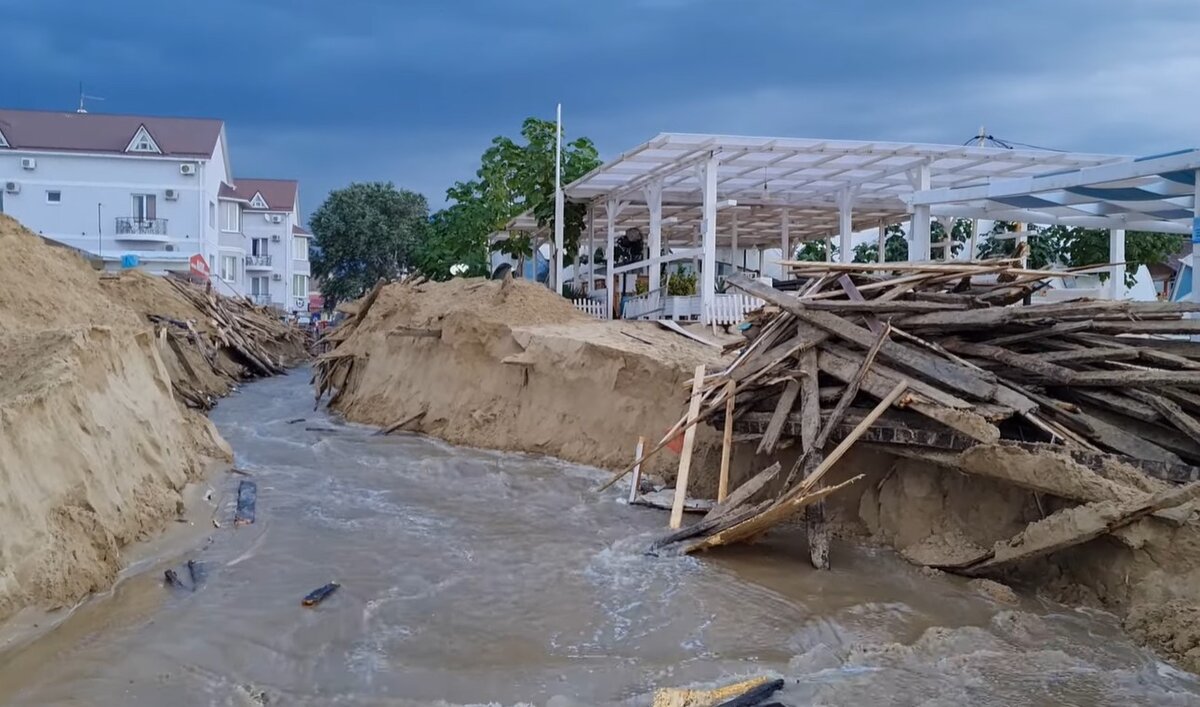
476, 577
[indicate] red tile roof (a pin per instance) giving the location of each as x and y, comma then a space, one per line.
100, 132
280, 194
300, 231
228, 192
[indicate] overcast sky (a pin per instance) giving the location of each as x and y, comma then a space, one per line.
330, 92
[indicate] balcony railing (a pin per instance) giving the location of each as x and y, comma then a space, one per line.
134, 225
261, 299
258, 261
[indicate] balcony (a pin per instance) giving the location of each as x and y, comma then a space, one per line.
258, 262
146, 230
262, 299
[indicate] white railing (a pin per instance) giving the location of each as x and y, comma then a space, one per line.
731, 308
596, 308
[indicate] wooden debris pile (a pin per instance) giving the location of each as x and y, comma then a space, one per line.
235, 339
332, 369
937, 357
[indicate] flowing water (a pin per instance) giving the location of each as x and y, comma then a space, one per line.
473, 577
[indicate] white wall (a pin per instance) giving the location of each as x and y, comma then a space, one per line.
108, 182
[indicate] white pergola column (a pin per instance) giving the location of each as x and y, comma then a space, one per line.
828, 249
654, 203
1116, 254
611, 210
920, 219
947, 229
845, 224
708, 276
733, 244
881, 242
591, 283
1196, 240
785, 239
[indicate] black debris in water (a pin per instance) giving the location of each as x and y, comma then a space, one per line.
246, 499
320, 594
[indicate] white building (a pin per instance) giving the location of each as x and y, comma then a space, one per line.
264, 249
156, 192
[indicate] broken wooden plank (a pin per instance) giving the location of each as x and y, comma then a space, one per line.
404, 421
671, 325
1075, 526
742, 494
787, 400
685, 457
726, 441
877, 385
976, 384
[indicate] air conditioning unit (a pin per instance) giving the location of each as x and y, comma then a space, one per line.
28, 163
187, 168
172, 194
12, 187
169, 248
277, 277
276, 218
275, 238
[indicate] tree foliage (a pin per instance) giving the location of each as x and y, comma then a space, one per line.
1074, 247
514, 176
813, 251
895, 247
365, 232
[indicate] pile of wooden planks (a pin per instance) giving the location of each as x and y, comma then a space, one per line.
858, 352
250, 336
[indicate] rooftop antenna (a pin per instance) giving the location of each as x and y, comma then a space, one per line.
82, 97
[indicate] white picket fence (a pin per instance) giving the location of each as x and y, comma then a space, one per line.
596, 308
731, 308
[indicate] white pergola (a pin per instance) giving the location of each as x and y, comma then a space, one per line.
705, 190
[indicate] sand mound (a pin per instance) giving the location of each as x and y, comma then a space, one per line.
93, 449
512, 366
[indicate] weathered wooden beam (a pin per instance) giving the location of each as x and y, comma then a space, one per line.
949, 374
685, 457
787, 400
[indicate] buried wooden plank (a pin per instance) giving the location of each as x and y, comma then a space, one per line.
685, 457
787, 400
947, 373
404, 421
247, 499
1075, 526
675, 327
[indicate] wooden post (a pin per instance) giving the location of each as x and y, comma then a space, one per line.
727, 441
635, 485
685, 457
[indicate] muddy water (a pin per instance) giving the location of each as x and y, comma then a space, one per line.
477, 577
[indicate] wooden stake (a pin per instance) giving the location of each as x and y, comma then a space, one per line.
685, 457
635, 484
726, 442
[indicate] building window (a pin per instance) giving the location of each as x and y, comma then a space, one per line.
299, 285
212, 215
145, 207
259, 286
300, 246
53, 197
231, 217
258, 246
229, 268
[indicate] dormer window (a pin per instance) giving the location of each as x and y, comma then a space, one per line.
258, 202
143, 142
3, 142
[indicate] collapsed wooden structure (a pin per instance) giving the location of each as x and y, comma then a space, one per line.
236, 338
935, 360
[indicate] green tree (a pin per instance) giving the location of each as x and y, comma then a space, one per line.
895, 247
1076, 247
513, 177
362, 233
813, 251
